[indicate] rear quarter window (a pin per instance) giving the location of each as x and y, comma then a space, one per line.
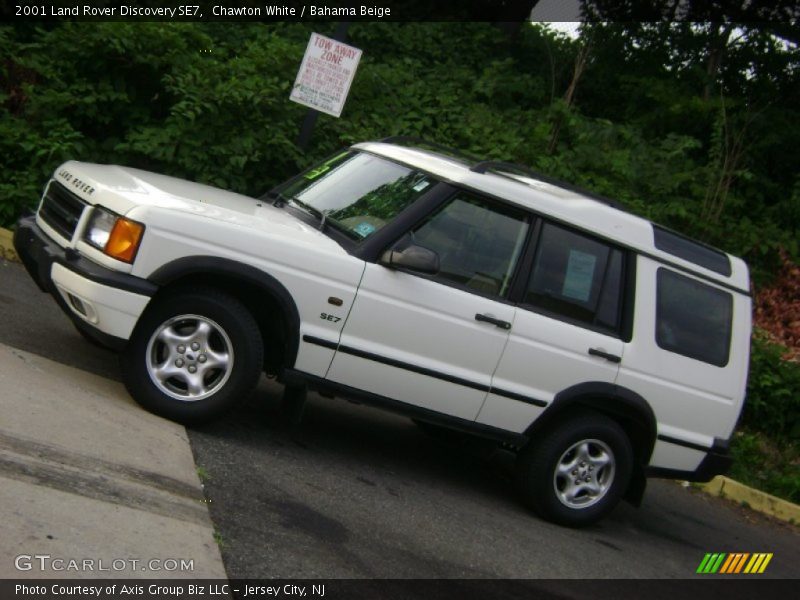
693, 251
693, 319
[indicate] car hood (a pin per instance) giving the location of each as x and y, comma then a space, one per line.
123, 189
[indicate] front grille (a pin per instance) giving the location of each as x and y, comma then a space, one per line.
61, 209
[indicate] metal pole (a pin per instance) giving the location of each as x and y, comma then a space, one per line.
307, 128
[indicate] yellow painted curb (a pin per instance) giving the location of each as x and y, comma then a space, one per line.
7, 245
760, 501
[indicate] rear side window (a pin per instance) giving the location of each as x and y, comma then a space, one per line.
693, 319
577, 278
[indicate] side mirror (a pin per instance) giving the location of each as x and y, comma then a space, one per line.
413, 258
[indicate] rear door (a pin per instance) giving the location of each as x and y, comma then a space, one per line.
568, 326
434, 341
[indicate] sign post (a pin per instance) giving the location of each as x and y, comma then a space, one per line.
324, 78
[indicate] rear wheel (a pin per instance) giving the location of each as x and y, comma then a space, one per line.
576, 473
194, 355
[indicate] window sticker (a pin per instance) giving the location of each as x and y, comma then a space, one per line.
579, 276
324, 167
364, 229
421, 185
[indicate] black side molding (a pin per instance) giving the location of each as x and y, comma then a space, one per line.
421, 370
320, 342
684, 443
293, 376
518, 397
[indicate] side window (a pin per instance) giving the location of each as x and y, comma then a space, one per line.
578, 278
478, 242
692, 318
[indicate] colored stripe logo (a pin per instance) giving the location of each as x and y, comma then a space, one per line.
734, 563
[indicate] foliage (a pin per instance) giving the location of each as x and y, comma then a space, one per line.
762, 463
773, 391
777, 308
766, 449
647, 124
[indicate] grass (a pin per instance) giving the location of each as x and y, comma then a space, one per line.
218, 539
203, 474
766, 464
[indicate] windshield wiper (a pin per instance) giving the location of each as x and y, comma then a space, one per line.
277, 198
324, 220
314, 212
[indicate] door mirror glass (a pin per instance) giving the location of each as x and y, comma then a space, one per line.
411, 257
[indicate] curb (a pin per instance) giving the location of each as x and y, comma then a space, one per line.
762, 502
7, 245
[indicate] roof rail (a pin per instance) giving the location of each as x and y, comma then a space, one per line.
417, 141
498, 167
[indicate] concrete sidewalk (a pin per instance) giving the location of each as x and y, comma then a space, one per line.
93, 482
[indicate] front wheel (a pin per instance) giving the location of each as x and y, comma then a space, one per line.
194, 355
577, 473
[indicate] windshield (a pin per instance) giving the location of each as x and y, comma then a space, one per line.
356, 193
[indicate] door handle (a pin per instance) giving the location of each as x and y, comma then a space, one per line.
609, 357
496, 322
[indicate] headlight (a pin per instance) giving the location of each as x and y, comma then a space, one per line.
116, 236
99, 229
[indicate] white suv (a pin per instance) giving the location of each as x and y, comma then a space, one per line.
480, 297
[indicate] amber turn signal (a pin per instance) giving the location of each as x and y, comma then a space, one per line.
124, 240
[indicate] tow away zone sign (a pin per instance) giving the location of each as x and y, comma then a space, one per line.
325, 75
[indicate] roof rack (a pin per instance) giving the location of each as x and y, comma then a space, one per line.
410, 140
498, 167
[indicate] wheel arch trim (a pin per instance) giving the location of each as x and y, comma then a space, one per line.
264, 282
610, 399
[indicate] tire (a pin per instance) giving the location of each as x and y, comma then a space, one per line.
591, 448
194, 355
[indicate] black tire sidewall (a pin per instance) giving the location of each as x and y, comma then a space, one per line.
537, 463
245, 339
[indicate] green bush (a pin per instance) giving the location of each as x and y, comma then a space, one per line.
209, 102
763, 463
766, 446
773, 391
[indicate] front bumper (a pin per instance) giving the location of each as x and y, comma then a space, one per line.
103, 303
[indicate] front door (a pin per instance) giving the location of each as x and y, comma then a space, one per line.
434, 341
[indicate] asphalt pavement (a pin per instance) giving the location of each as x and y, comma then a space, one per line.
90, 485
355, 492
